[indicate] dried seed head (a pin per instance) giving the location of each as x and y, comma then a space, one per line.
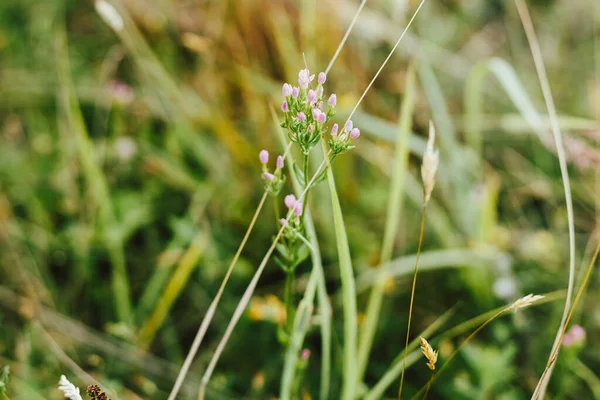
525, 302
431, 160
429, 354
96, 393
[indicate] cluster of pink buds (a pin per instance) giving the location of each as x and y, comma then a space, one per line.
341, 142
295, 206
307, 111
275, 180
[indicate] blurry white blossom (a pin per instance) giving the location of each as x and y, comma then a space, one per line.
70, 391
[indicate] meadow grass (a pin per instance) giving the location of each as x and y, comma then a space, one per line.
133, 215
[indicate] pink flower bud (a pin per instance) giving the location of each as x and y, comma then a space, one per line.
322, 118
286, 90
290, 201
354, 133
295, 92
311, 97
348, 125
574, 335
305, 354
263, 156
283, 222
285, 107
279, 162
332, 100
334, 130
298, 209
268, 176
315, 113
301, 117
321, 78
310, 128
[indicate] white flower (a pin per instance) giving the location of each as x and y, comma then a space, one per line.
304, 78
69, 390
109, 15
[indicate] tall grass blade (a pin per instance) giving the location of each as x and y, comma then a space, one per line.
176, 284
394, 213
96, 182
348, 291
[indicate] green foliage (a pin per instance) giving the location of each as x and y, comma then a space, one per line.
128, 178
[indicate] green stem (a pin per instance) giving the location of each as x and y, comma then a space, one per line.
289, 299
277, 212
305, 168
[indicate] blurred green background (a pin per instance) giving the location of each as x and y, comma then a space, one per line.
129, 157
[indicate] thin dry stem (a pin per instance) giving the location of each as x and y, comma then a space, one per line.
588, 273
544, 83
412, 297
518, 304
386, 60
213, 306
343, 41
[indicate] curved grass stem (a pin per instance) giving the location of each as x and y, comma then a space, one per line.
412, 296
588, 273
558, 141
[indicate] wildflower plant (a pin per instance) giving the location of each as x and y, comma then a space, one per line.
307, 112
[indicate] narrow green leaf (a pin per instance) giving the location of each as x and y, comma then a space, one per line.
394, 213
348, 291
